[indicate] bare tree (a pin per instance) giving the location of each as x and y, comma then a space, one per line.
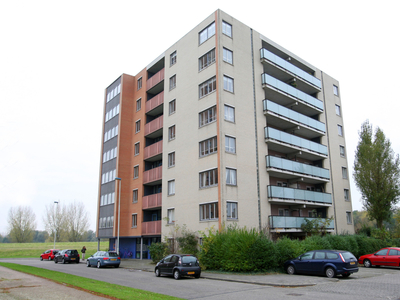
55, 222
22, 224
77, 221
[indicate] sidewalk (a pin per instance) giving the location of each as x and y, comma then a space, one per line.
279, 280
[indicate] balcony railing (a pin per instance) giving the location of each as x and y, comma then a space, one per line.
293, 115
155, 101
291, 91
155, 79
153, 150
152, 175
290, 139
154, 125
265, 54
296, 167
285, 222
152, 201
287, 193
151, 228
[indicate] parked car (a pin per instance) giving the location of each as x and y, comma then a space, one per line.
389, 256
104, 259
323, 262
49, 254
178, 265
67, 255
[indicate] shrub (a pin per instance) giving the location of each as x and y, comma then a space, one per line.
287, 249
315, 242
158, 251
188, 243
263, 254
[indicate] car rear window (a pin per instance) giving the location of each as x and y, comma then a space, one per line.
113, 254
189, 259
348, 255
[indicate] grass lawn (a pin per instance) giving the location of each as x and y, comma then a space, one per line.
91, 285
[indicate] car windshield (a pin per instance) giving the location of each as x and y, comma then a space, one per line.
189, 259
348, 255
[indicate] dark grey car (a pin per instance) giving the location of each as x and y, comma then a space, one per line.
67, 255
178, 265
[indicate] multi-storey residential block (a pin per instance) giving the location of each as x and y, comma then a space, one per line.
224, 127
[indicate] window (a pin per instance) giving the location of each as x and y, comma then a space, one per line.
208, 178
172, 58
137, 126
342, 152
346, 195
231, 210
138, 104
207, 59
340, 130
171, 215
227, 55
335, 90
208, 147
230, 176
137, 148
171, 133
209, 211
207, 87
172, 82
230, 144
134, 220
171, 159
135, 171
228, 84
206, 33
394, 252
229, 113
135, 196
172, 106
344, 173
348, 217
227, 29
337, 108
171, 187
139, 83
207, 116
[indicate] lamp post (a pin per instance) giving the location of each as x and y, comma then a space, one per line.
119, 211
55, 227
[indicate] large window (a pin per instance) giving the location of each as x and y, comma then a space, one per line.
209, 211
207, 87
229, 113
207, 116
227, 28
208, 146
231, 210
228, 84
208, 178
227, 55
171, 159
171, 187
230, 176
206, 33
171, 133
207, 59
230, 144
171, 215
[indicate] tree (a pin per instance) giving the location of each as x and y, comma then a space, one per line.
54, 221
376, 173
22, 224
77, 221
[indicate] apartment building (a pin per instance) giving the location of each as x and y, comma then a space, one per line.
224, 127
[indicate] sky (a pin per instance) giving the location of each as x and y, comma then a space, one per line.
57, 58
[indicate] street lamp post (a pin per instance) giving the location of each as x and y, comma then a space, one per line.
55, 227
119, 210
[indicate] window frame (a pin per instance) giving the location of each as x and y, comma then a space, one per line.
226, 25
207, 116
171, 159
337, 110
207, 59
344, 173
349, 217
171, 133
229, 180
208, 211
137, 126
207, 33
228, 146
139, 83
227, 106
172, 82
340, 129
342, 151
229, 84
208, 178
137, 148
229, 211
136, 172
138, 104
207, 87
171, 187
208, 146
172, 107
135, 195
346, 193
225, 57
335, 90
134, 220
172, 58
171, 220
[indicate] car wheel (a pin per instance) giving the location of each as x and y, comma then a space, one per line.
367, 263
346, 275
329, 272
177, 275
88, 263
197, 276
55, 261
49, 257
290, 270
116, 266
63, 261
41, 258
98, 265
157, 271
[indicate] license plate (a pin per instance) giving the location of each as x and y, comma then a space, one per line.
190, 273
72, 258
113, 259
352, 263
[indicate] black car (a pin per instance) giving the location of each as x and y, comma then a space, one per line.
67, 255
178, 265
323, 262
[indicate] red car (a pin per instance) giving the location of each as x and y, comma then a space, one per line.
49, 254
389, 256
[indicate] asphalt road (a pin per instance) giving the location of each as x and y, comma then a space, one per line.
373, 283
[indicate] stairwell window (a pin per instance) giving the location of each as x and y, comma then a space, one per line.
346, 195
172, 106
228, 84
335, 90
340, 130
348, 217
230, 144
337, 109
227, 55
135, 172
172, 59
171, 159
171, 215
342, 152
344, 172
230, 176
171, 187
134, 220
229, 113
226, 28
171, 133
135, 196
172, 82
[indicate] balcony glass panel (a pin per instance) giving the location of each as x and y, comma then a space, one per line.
265, 54
294, 166
291, 139
293, 222
293, 115
288, 89
297, 194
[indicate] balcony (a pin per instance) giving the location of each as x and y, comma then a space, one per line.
154, 128
287, 95
285, 195
154, 151
154, 105
152, 176
286, 143
293, 170
151, 228
155, 83
152, 201
291, 224
285, 71
290, 120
